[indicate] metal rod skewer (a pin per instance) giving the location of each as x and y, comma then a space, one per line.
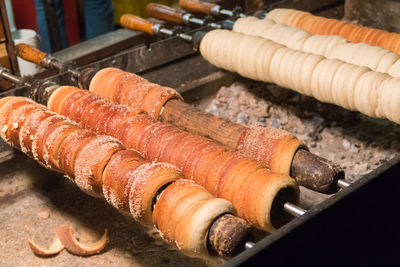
7, 75
288, 207
249, 245
343, 183
293, 209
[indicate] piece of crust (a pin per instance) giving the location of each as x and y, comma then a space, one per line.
55, 248
70, 243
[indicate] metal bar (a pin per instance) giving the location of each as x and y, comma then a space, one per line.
249, 245
215, 25
197, 21
343, 183
167, 32
185, 37
226, 12
10, 77
293, 209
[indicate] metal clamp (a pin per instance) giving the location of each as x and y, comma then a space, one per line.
216, 10
158, 29
186, 18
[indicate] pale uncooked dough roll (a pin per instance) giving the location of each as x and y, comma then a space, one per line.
277, 61
279, 33
246, 25
321, 81
253, 56
353, 79
333, 43
328, 80
333, 47
389, 94
344, 51
394, 70
278, 14
306, 72
386, 62
370, 56
316, 44
297, 66
296, 41
267, 55
342, 84
365, 95
320, 25
287, 68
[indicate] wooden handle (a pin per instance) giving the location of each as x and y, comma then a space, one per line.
30, 53
164, 12
135, 23
196, 6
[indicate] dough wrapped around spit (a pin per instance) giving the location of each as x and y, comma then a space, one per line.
101, 166
109, 81
330, 46
185, 199
324, 26
6, 110
131, 89
222, 173
328, 80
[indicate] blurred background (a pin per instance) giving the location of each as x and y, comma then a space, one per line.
74, 21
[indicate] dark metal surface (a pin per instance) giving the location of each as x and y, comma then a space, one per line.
143, 58
102, 46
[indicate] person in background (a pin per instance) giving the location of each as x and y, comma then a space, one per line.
42, 24
98, 19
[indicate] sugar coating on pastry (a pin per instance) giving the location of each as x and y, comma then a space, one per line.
90, 162
148, 179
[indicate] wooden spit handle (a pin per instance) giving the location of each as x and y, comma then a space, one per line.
197, 6
30, 53
136, 23
164, 12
